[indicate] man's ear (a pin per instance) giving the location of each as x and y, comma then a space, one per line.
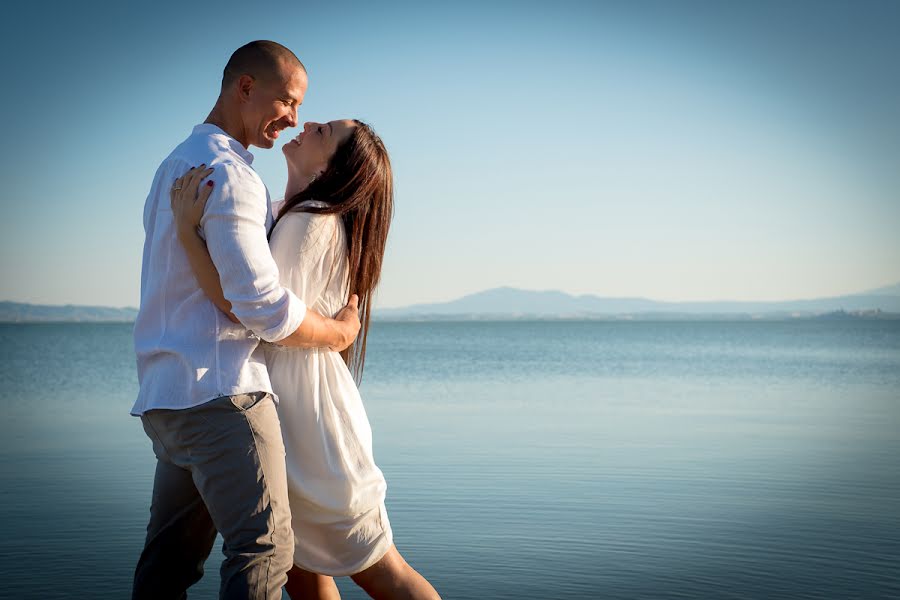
245, 84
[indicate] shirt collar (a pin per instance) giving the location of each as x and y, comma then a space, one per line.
210, 129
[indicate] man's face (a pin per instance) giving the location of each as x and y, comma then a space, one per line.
270, 106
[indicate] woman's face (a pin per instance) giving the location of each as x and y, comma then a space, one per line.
310, 151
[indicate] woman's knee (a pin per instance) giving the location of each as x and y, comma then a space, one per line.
390, 570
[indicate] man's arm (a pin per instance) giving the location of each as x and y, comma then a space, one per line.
337, 333
314, 331
234, 226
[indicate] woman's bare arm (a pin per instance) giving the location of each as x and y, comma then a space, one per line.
187, 215
204, 269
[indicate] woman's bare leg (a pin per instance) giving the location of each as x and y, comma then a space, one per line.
305, 585
391, 578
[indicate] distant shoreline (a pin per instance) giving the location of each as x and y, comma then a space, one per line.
512, 304
640, 318
646, 318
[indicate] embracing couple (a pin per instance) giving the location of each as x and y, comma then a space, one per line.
250, 323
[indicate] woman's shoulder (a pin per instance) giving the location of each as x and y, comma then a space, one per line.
310, 228
299, 217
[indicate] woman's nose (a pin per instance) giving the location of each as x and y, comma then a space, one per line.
308, 125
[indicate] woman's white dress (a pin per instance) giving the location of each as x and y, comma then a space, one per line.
336, 490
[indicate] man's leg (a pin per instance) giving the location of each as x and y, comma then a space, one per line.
180, 534
237, 461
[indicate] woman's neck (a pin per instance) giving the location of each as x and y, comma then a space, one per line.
293, 187
296, 183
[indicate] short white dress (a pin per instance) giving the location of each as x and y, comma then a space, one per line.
335, 488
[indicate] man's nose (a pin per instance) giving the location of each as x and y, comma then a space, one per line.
292, 117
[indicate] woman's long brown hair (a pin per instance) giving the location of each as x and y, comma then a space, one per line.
358, 186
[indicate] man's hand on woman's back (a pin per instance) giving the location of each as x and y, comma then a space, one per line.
317, 331
348, 317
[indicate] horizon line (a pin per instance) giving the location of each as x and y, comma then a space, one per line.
518, 289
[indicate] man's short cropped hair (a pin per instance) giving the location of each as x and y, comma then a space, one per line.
261, 59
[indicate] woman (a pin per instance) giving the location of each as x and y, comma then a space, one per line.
328, 242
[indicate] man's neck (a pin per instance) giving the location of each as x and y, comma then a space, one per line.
233, 127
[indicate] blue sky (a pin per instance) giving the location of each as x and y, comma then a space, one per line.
672, 150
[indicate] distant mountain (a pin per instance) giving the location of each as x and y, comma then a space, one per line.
888, 290
15, 312
512, 303
506, 302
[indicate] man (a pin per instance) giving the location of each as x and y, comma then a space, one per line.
205, 399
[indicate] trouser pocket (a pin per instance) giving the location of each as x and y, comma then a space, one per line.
244, 402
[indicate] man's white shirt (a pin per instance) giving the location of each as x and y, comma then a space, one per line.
188, 351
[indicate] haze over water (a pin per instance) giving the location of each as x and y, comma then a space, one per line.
523, 459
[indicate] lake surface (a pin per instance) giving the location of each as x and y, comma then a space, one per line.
523, 459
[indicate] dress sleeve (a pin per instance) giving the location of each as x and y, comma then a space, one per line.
303, 247
276, 207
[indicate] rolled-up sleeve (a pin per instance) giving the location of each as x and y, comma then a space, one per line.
234, 225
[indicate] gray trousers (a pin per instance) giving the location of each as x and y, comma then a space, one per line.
220, 467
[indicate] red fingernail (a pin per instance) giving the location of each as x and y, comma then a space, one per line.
209, 183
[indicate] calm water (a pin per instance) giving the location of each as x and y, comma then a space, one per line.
524, 460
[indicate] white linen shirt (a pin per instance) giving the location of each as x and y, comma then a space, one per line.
188, 351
